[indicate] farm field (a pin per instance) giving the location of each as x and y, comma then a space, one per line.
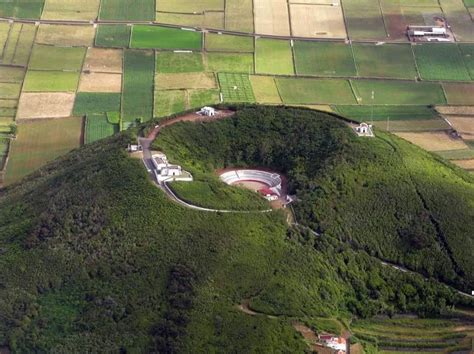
364, 19
440, 62
199, 98
56, 58
104, 60
45, 105
315, 91
70, 10
137, 94
150, 37
459, 94
39, 142
168, 102
398, 92
317, 21
131, 10
388, 60
464, 125
239, 15
236, 87
170, 62
66, 35
98, 127
271, 17
114, 36
100, 82
21, 8
228, 43
434, 141
230, 62
324, 59
467, 53
376, 113
265, 89
273, 57
51, 81
185, 81
90, 103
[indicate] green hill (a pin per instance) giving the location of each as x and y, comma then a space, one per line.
94, 257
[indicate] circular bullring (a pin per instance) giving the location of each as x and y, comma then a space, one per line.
268, 184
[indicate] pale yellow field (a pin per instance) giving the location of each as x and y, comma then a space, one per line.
271, 17
317, 21
100, 82
104, 60
206, 20
464, 125
455, 110
239, 15
185, 81
466, 164
434, 141
70, 9
265, 89
315, 2
66, 35
45, 105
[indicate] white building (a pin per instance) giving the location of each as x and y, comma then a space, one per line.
364, 129
208, 111
165, 172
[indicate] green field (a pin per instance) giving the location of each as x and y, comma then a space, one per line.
131, 10
45, 57
21, 8
212, 193
154, 37
168, 102
11, 43
170, 62
364, 19
51, 81
228, 43
10, 90
467, 52
230, 62
265, 89
89, 103
236, 87
382, 113
398, 92
117, 36
274, 57
98, 127
199, 98
314, 91
137, 95
39, 142
324, 59
18, 46
388, 60
440, 61
11, 74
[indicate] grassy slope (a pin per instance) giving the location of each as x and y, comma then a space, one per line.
134, 271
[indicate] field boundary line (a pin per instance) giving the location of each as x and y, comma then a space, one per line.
345, 21
10, 27
383, 19
353, 92
356, 66
415, 62
293, 57
445, 97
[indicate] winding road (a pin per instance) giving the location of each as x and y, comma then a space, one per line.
148, 161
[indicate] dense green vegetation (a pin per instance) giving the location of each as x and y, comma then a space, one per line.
134, 272
98, 127
340, 180
93, 102
113, 36
165, 38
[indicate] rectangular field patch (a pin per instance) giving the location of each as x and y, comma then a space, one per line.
70, 10
265, 89
169, 102
398, 92
228, 43
66, 35
150, 37
127, 10
104, 60
185, 81
230, 62
56, 58
459, 94
324, 59
317, 21
90, 103
236, 87
97, 127
271, 17
40, 142
315, 91
114, 36
464, 125
274, 56
21, 8
239, 15
364, 19
170, 62
51, 81
10, 90
434, 141
100, 82
137, 95
45, 105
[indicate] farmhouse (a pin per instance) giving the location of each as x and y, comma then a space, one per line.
427, 33
165, 172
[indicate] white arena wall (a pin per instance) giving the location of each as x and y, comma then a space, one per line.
273, 180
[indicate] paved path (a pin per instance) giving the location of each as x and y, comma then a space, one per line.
148, 162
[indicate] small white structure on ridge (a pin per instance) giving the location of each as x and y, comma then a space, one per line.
208, 111
364, 129
165, 172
